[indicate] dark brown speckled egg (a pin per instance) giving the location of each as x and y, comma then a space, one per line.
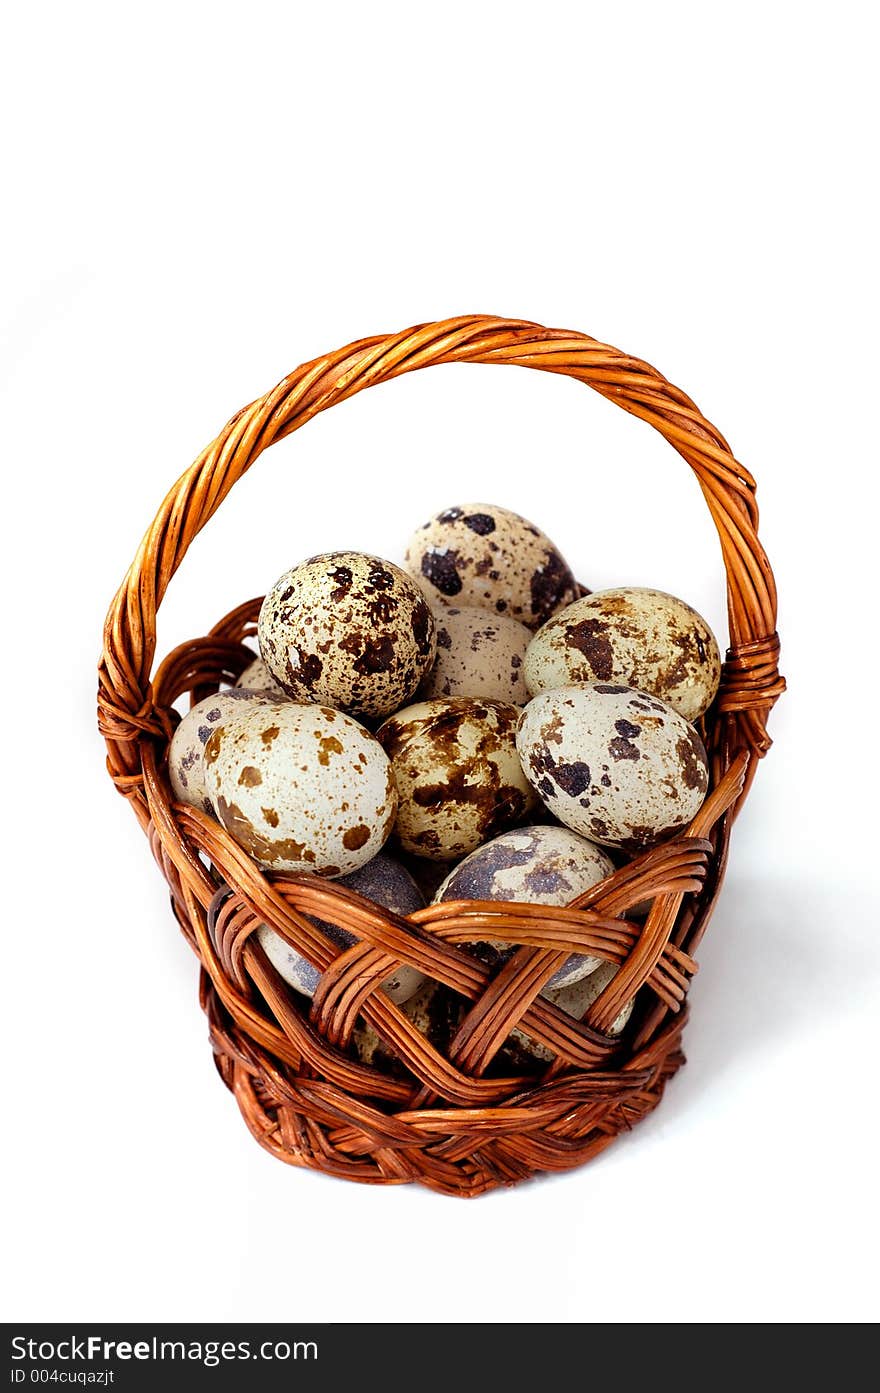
481, 555
350, 630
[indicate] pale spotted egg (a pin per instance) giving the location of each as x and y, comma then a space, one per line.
575, 1000
301, 788
186, 751
257, 678
478, 655
614, 764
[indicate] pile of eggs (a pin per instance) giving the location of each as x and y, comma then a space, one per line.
471, 726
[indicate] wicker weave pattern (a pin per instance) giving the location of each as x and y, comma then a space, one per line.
457, 1124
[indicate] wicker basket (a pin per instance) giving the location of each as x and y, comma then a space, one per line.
461, 1124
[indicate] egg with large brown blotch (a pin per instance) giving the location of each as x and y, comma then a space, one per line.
458, 775
614, 764
481, 555
301, 788
642, 638
382, 880
186, 751
478, 655
350, 630
530, 865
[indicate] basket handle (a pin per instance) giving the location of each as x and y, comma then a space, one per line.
750, 680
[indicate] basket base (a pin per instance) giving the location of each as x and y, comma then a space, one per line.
555, 1126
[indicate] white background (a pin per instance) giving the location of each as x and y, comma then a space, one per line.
198, 198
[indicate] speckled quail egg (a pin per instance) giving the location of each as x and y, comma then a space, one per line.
458, 774
483, 555
435, 1011
382, 880
617, 765
575, 1000
186, 751
478, 655
643, 638
532, 865
348, 630
257, 678
301, 788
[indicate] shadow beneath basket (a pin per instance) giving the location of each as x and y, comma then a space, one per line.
778, 957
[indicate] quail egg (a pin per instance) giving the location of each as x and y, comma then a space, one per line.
257, 678
483, 555
348, 630
301, 788
575, 1000
458, 775
532, 865
435, 1011
187, 748
641, 638
614, 764
478, 655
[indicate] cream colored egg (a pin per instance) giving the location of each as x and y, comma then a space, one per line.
478, 655
575, 1000
641, 638
382, 880
530, 865
301, 788
435, 1011
349, 630
186, 751
616, 765
458, 774
257, 678
480, 554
